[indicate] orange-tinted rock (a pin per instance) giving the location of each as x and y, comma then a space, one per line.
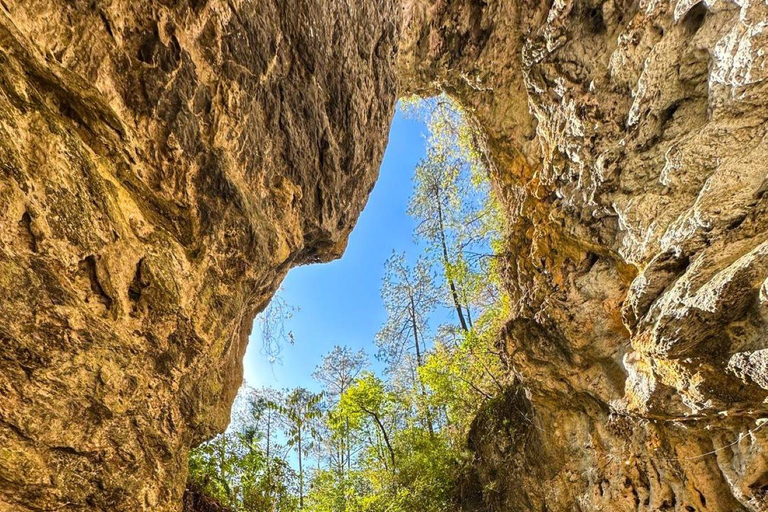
629, 147
164, 163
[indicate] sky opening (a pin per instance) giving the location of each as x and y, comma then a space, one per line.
339, 303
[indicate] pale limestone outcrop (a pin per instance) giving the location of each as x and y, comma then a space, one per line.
163, 165
628, 139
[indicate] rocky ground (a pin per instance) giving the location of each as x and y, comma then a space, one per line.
165, 164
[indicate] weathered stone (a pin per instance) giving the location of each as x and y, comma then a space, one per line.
629, 146
163, 165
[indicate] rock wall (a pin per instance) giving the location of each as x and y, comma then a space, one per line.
164, 163
628, 140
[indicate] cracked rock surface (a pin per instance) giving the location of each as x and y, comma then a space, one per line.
164, 163
629, 144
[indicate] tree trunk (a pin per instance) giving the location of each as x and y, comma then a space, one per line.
301, 477
349, 447
414, 325
419, 362
384, 435
446, 262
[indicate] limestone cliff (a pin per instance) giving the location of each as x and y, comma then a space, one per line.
628, 139
164, 163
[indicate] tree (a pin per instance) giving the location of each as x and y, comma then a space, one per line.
409, 297
435, 197
337, 370
299, 409
230, 468
405, 431
463, 371
214, 466
367, 398
261, 426
245, 468
451, 200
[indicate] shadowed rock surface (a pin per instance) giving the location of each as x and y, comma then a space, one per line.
628, 142
165, 163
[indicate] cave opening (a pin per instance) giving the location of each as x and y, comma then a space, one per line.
165, 163
363, 375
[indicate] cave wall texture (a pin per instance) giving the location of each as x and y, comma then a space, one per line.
628, 140
164, 163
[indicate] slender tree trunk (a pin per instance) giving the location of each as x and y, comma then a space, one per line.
346, 436
301, 477
269, 435
419, 362
343, 475
379, 449
446, 261
339, 459
349, 447
384, 435
414, 325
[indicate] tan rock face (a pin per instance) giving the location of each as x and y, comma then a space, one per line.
629, 144
163, 165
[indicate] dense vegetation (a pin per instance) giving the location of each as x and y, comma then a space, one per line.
392, 442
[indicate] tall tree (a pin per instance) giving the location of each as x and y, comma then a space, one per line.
409, 297
368, 399
300, 408
434, 202
261, 425
337, 370
451, 201
405, 433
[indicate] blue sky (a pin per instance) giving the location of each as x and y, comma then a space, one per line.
339, 302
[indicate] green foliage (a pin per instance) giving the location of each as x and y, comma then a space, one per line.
463, 371
334, 440
233, 469
425, 471
330, 493
214, 465
458, 217
299, 409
